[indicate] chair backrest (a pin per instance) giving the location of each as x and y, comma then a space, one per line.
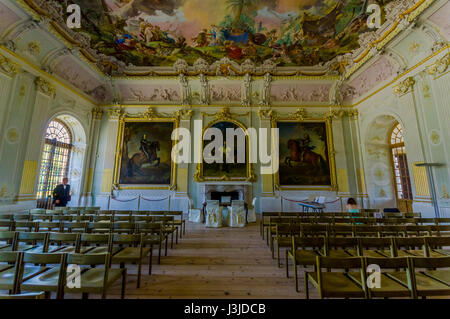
98, 239
131, 239
31, 295
14, 258
238, 206
212, 205
89, 259
8, 236
339, 263
44, 258
64, 238
9, 257
9, 224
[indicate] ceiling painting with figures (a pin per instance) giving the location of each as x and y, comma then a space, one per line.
287, 32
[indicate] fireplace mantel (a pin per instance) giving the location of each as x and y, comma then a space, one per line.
244, 189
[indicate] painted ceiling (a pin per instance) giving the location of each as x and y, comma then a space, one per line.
289, 32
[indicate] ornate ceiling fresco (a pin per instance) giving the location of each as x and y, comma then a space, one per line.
229, 37
158, 33
227, 52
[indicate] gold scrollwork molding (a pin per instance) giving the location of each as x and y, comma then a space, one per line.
115, 114
224, 114
97, 113
405, 86
440, 66
8, 67
184, 114
45, 87
267, 114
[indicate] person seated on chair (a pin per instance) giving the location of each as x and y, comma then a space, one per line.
352, 206
61, 193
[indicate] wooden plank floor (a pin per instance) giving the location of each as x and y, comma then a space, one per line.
215, 263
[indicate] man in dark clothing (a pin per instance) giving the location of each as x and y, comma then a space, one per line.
61, 194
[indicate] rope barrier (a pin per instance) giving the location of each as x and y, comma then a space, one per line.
305, 201
155, 200
124, 200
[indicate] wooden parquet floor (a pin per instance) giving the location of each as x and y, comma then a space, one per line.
215, 263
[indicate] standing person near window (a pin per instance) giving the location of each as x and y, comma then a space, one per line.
352, 206
61, 193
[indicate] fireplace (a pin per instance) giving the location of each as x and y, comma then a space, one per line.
235, 191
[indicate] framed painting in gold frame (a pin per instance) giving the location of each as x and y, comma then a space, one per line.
143, 156
306, 155
242, 172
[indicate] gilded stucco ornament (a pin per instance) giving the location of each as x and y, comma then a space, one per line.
405, 86
440, 66
8, 67
45, 87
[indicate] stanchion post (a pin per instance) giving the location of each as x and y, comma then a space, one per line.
139, 203
169, 203
109, 202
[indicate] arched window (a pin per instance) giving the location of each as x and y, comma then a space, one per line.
400, 164
55, 158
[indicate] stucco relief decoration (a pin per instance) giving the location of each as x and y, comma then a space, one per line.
283, 92
147, 93
45, 87
405, 86
7, 66
378, 72
225, 92
440, 66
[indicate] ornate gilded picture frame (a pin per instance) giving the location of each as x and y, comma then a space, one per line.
143, 155
306, 154
242, 172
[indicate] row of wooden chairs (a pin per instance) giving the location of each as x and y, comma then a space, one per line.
305, 250
123, 248
398, 277
52, 273
101, 224
96, 215
280, 237
156, 233
364, 218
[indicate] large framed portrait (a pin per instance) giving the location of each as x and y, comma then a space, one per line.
305, 155
144, 158
226, 171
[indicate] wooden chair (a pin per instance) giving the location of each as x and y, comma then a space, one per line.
310, 248
48, 226
99, 227
10, 271
431, 281
438, 245
332, 284
64, 242
282, 238
7, 225
153, 235
412, 246
74, 227
96, 280
7, 240
31, 242
25, 226
367, 231
336, 247
37, 295
52, 276
98, 244
389, 287
124, 227
373, 247
134, 253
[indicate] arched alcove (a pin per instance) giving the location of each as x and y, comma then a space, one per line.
63, 151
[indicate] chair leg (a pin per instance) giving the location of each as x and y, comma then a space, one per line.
171, 239
159, 252
138, 285
278, 256
306, 286
184, 227
150, 259
167, 241
85, 295
296, 276
124, 283
178, 234
287, 264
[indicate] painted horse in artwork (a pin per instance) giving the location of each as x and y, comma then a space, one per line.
303, 155
149, 155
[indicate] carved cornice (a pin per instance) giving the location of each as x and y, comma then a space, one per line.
405, 86
184, 114
8, 67
45, 87
440, 66
115, 113
97, 113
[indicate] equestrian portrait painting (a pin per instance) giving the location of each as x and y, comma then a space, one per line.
146, 153
304, 154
